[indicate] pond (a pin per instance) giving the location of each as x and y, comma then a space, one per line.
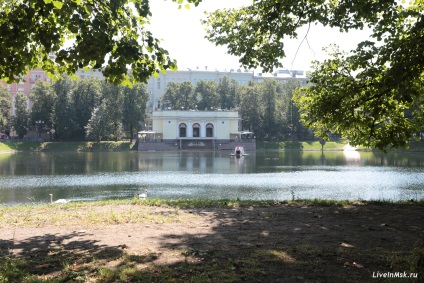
263, 175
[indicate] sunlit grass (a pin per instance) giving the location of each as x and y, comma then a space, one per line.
11, 146
301, 145
86, 214
19, 146
109, 212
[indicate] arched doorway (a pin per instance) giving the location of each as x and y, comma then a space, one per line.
183, 130
196, 130
209, 130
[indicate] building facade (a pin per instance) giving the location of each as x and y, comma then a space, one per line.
211, 126
175, 129
25, 85
156, 86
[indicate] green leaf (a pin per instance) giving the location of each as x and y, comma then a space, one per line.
58, 4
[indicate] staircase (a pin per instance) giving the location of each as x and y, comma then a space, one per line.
156, 146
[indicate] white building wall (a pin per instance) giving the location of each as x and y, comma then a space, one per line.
158, 125
168, 122
169, 128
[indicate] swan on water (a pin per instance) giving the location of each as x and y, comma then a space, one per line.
61, 200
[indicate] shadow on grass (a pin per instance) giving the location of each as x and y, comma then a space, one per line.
279, 243
304, 244
64, 258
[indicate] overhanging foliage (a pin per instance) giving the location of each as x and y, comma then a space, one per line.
373, 96
110, 36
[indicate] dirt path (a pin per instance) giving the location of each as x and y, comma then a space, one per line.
279, 243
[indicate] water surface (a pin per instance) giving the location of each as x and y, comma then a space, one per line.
31, 177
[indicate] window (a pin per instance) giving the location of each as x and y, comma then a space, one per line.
196, 130
209, 130
149, 125
35, 77
183, 130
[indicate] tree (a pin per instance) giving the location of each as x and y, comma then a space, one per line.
363, 95
43, 100
224, 91
85, 97
207, 95
232, 99
368, 109
185, 96
295, 129
97, 31
134, 108
5, 111
98, 126
63, 115
112, 101
249, 108
169, 98
179, 96
269, 100
21, 119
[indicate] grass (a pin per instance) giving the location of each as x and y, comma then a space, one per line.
19, 146
305, 145
66, 146
139, 211
415, 146
83, 214
126, 146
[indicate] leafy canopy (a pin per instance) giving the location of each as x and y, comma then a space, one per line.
108, 35
373, 95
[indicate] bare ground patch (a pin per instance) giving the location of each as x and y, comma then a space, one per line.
279, 243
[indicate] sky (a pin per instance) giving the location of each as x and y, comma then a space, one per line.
183, 35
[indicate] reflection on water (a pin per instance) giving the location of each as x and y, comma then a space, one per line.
352, 157
31, 177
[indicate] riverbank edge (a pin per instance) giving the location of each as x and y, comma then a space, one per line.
13, 146
108, 146
219, 203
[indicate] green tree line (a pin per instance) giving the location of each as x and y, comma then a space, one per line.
266, 107
75, 110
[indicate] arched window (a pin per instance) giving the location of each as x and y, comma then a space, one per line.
196, 130
183, 130
209, 130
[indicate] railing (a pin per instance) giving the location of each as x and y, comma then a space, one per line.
150, 140
199, 139
244, 140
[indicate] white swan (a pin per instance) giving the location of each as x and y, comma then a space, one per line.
142, 195
61, 200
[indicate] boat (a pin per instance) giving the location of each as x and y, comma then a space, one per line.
239, 151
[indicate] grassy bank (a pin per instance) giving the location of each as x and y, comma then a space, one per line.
78, 213
305, 145
126, 146
328, 146
66, 146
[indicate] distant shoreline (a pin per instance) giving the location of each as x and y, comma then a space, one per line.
108, 146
